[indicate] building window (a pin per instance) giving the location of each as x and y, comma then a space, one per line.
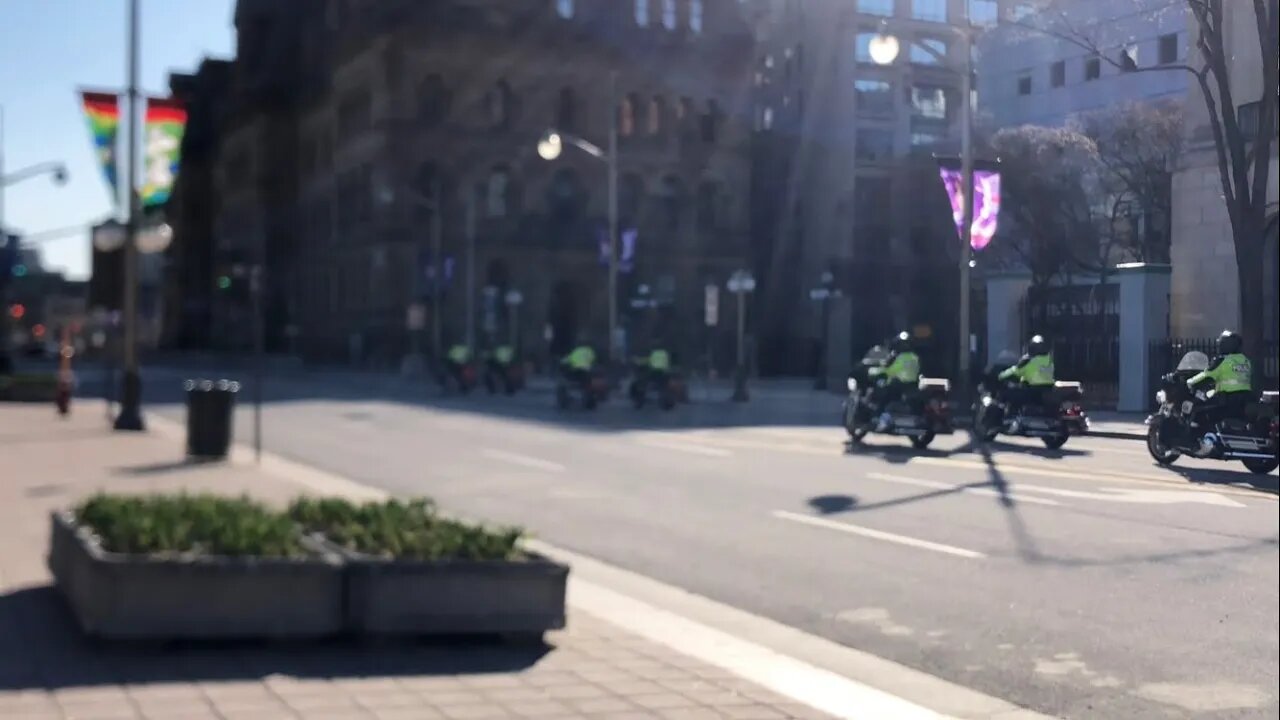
709, 205
926, 139
883, 8
928, 51
497, 193
1168, 48
1058, 73
765, 121
873, 145
672, 195
627, 116
862, 42
433, 101
656, 115
669, 14
929, 102
984, 13
1247, 119
1092, 68
630, 199
873, 97
931, 10
642, 13
497, 105
710, 122
564, 8
1024, 84
567, 110
1129, 58
696, 12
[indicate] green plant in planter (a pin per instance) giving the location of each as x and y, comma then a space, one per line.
188, 524
405, 530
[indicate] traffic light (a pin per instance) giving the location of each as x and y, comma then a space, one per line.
224, 282
19, 270
17, 311
38, 331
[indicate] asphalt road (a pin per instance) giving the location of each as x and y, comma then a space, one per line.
1086, 583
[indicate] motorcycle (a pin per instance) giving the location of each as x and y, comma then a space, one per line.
461, 378
670, 389
1253, 440
509, 376
590, 389
920, 416
1054, 420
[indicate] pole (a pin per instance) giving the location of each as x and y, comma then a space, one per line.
966, 229
130, 417
437, 272
259, 355
471, 272
820, 382
515, 327
613, 214
740, 370
5, 334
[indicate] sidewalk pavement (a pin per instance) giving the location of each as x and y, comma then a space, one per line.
48, 671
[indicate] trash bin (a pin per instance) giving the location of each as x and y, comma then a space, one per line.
209, 410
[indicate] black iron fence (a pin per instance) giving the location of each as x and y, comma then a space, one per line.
1165, 355
1093, 360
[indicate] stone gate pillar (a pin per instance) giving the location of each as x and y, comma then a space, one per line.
1144, 316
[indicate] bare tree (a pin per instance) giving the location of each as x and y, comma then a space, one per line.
1046, 195
1243, 150
1138, 146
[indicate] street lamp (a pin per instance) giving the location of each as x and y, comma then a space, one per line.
884, 49
822, 295
550, 147
741, 283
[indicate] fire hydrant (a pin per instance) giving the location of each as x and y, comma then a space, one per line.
66, 378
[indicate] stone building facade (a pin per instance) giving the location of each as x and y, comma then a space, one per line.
349, 116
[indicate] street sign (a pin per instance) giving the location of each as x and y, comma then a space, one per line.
711, 305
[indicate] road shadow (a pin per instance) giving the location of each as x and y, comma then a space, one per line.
1268, 484
164, 467
833, 504
163, 385
43, 649
986, 448
895, 454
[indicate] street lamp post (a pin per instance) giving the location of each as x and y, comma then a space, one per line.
551, 146
130, 415
741, 283
822, 295
884, 50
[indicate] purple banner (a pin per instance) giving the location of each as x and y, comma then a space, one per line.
627, 254
986, 202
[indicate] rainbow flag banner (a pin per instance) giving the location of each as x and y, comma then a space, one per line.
165, 123
103, 112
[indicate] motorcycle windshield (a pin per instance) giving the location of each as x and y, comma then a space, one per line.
1194, 361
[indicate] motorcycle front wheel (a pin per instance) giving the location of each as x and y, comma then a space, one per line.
1159, 452
1261, 466
1056, 442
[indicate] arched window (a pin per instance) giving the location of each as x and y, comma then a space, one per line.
672, 196
669, 17
627, 115
567, 110
497, 194
564, 8
497, 104
565, 195
696, 12
433, 100
657, 114
709, 199
642, 13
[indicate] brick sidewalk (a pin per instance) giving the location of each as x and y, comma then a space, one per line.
48, 671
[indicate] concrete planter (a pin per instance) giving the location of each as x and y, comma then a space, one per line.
116, 596
455, 597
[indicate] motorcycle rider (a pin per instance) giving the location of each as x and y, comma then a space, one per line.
500, 360
579, 363
1034, 372
1232, 374
899, 372
456, 360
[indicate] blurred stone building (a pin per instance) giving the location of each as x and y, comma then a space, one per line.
344, 117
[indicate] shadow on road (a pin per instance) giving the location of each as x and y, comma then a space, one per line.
1269, 484
43, 649
833, 504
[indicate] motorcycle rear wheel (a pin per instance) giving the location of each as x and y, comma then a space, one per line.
1164, 455
1259, 466
1056, 442
921, 442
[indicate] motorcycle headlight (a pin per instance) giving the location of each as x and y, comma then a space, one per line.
852, 385
987, 401
1161, 396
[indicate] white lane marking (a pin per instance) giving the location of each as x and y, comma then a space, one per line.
1141, 497
683, 446
986, 492
878, 534
523, 460
1083, 474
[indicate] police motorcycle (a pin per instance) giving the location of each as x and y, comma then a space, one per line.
1252, 440
668, 387
505, 374
920, 415
1054, 419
